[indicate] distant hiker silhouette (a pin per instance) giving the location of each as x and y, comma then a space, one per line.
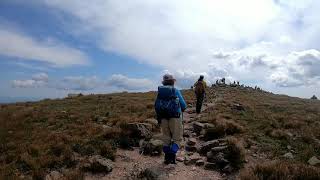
200, 91
169, 107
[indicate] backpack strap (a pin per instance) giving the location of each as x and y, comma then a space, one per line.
173, 90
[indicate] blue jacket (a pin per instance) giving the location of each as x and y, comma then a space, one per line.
165, 91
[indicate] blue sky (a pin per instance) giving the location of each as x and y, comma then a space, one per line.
51, 48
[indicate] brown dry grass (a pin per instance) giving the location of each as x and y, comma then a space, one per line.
236, 152
273, 121
38, 137
281, 171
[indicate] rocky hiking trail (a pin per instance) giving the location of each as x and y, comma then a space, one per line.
197, 159
130, 164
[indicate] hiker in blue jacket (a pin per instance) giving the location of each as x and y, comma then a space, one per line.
169, 107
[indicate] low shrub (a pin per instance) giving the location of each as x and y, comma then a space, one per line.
108, 151
232, 127
236, 152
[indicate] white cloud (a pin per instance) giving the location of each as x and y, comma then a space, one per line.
116, 82
126, 83
38, 80
19, 45
40, 77
247, 40
298, 69
170, 33
78, 83
24, 83
186, 78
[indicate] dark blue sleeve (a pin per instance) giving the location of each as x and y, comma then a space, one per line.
181, 100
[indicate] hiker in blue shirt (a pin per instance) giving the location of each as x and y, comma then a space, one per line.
169, 107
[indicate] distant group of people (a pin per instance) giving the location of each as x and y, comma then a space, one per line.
169, 107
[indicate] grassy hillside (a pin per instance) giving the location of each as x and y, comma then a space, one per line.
41, 136
271, 122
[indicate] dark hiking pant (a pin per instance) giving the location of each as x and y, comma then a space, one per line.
200, 98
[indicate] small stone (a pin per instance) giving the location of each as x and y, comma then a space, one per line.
189, 153
209, 156
208, 125
200, 162
254, 148
154, 172
219, 149
180, 159
289, 147
191, 148
152, 147
187, 133
197, 127
201, 137
223, 144
97, 164
106, 127
203, 132
254, 155
289, 134
238, 107
191, 141
186, 160
139, 130
227, 169
220, 161
288, 155
192, 159
210, 166
190, 110
314, 161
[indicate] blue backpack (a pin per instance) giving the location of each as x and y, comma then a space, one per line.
167, 104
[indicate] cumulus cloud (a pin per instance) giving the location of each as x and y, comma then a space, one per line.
245, 40
126, 83
186, 78
170, 33
78, 83
297, 69
53, 52
38, 80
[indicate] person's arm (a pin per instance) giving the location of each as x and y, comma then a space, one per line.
181, 100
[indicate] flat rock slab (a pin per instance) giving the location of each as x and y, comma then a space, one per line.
97, 164
314, 161
192, 141
206, 146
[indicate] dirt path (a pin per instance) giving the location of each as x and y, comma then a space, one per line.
130, 164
